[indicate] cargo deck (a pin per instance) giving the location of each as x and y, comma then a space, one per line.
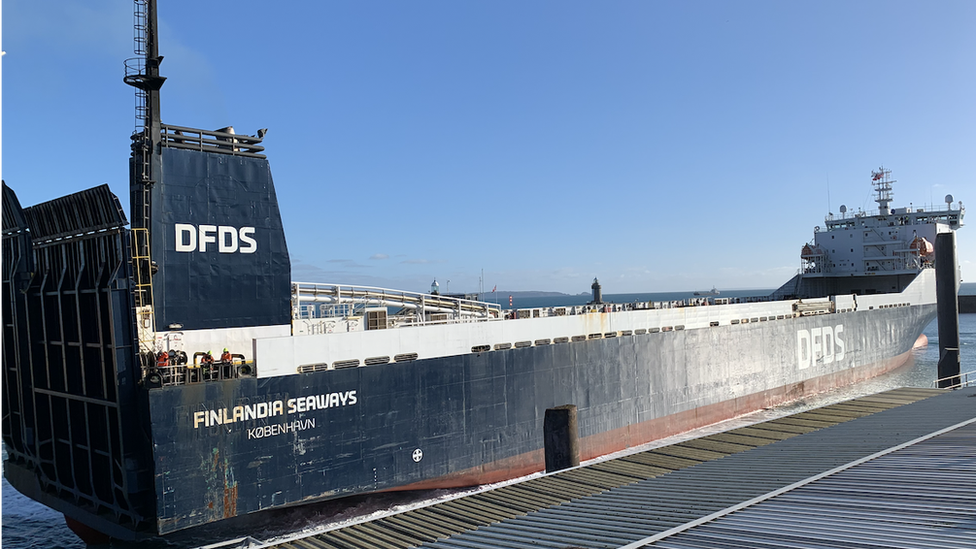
892, 466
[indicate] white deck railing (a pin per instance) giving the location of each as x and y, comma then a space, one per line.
361, 297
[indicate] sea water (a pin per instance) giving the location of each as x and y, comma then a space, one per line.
27, 524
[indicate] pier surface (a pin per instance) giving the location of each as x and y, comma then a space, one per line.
895, 469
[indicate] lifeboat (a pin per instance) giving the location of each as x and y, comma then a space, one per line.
810, 252
922, 247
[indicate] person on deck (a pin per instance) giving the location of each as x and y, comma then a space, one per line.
225, 356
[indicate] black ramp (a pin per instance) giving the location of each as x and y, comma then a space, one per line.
87, 211
73, 427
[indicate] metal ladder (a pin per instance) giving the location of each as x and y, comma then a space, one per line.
135, 69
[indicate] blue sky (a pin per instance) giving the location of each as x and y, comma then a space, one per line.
661, 146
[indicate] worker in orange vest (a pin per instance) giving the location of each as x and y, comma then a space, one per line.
225, 356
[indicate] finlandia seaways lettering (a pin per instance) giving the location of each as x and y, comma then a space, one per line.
271, 409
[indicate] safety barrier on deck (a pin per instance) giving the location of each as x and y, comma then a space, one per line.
341, 299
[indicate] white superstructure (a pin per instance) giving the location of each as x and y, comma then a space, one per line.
888, 241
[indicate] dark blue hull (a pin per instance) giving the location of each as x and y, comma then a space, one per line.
476, 418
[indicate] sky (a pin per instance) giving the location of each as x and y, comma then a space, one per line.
657, 145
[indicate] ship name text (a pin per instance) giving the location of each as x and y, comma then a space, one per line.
820, 346
261, 410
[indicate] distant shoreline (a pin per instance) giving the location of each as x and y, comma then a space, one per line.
533, 293
965, 288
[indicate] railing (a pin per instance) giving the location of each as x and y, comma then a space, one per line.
182, 374
965, 379
421, 305
934, 209
219, 141
135, 68
438, 309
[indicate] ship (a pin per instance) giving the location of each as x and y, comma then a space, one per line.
164, 373
713, 291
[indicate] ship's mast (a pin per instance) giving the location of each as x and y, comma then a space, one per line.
142, 73
882, 185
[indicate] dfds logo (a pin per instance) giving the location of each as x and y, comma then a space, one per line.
819, 345
227, 240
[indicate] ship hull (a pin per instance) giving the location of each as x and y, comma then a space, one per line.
458, 414
641, 433
228, 448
